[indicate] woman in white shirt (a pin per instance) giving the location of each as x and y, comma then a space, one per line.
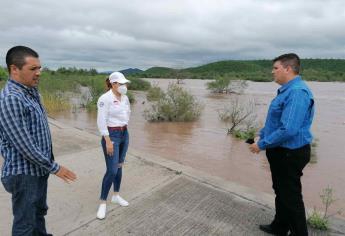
112, 120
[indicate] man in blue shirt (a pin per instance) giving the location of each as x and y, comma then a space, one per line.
25, 143
286, 137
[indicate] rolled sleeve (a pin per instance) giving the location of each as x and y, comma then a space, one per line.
55, 168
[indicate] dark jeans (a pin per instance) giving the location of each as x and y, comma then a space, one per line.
113, 175
286, 169
29, 203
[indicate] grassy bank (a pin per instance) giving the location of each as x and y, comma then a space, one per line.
54, 84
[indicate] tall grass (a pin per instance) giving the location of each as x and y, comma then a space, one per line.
54, 102
54, 84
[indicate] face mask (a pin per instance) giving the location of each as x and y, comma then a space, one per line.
122, 89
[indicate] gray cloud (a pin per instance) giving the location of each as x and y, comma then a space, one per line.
113, 35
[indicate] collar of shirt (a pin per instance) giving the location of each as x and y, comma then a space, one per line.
115, 98
289, 84
22, 87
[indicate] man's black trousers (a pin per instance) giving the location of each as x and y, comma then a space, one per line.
286, 169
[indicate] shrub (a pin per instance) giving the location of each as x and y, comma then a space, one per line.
138, 84
154, 93
318, 220
176, 104
245, 134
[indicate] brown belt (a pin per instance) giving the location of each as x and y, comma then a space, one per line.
118, 128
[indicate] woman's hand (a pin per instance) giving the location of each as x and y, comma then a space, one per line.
109, 146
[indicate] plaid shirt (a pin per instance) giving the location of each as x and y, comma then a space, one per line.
25, 139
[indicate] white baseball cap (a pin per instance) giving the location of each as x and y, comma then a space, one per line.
118, 77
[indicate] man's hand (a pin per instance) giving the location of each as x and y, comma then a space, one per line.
66, 175
254, 148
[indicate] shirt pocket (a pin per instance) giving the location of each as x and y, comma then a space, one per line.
275, 111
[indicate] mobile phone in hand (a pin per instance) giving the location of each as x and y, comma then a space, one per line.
250, 141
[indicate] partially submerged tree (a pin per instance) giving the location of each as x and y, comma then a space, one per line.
176, 104
240, 117
225, 84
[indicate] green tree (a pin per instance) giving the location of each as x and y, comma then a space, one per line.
3, 73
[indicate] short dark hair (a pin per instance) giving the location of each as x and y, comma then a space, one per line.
289, 59
16, 56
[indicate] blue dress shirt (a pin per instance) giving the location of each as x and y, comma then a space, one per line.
289, 117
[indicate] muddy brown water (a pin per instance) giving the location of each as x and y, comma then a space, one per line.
204, 144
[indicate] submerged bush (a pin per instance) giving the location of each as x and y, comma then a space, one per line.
176, 104
245, 134
224, 84
154, 93
138, 84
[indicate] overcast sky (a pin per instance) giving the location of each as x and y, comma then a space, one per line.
114, 35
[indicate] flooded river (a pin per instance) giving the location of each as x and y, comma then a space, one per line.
205, 145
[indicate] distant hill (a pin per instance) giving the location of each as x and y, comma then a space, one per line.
128, 71
256, 70
131, 71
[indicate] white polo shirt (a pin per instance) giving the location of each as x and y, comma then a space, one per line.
111, 112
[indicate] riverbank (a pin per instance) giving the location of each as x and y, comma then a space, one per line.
205, 146
165, 197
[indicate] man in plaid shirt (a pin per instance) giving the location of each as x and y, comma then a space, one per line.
25, 143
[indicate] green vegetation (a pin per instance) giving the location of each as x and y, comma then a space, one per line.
64, 80
55, 84
3, 73
320, 220
70, 79
176, 104
54, 102
245, 134
317, 221
255, 70
138, 84
224, 84
154, 93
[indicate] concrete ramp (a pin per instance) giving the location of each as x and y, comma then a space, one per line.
166, 198
184, 207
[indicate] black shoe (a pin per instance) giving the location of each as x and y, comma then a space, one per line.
267, 228
271, 230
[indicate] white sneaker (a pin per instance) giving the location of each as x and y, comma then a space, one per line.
102, 209
119, 200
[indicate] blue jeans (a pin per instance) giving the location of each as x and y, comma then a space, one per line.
113, 175
29, 203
